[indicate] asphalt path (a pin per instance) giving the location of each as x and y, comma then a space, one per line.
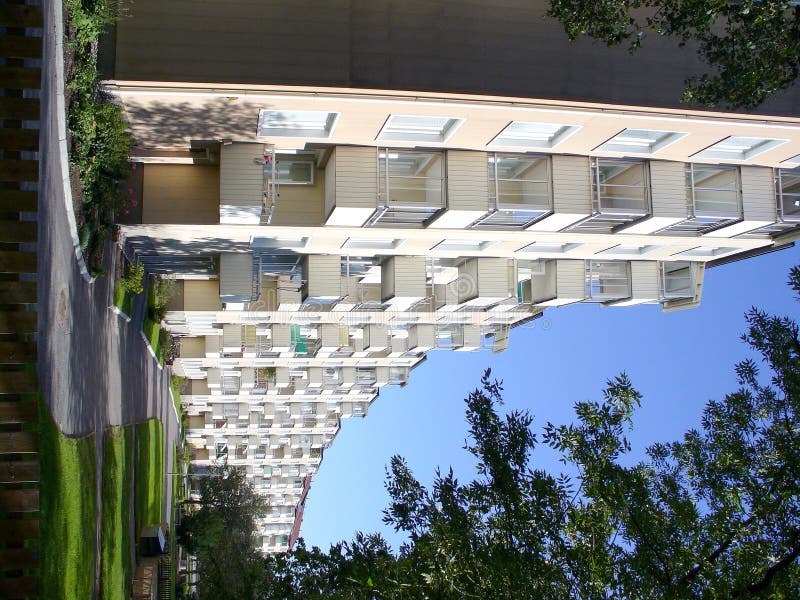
95, 369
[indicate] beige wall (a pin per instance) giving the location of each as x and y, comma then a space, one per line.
301, 205
201, 295
180, 194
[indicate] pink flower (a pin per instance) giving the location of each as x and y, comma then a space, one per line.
134, 165
125, 212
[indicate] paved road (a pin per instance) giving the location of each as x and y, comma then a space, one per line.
95, 370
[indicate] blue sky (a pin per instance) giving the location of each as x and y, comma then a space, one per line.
677, 361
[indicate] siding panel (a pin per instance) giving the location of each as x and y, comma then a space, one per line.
241, 183
758, 194
571, 185
356, 180
467, 183
668, 184
644, 280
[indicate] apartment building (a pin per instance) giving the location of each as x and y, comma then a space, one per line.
326, 238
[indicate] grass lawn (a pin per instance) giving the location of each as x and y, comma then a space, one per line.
149, 487
115, 568
123, 299
67, 496
152, 332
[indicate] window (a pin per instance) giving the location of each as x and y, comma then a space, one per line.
620, 195
523, 134
706, 251
294, 172
789, 194
739, 148
376, 244
411, 188
629, 249
548, 247
296, 123
287, 243
462, 245
519, 191
639, 141
416, 128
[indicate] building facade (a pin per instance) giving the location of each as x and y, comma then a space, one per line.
326, 238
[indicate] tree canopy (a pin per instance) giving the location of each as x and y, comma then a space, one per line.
752, 47
221, 534
715, 514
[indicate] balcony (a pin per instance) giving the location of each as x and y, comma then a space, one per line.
620, 195
677, 280
519, 191
411, 188
713, 199
607, 281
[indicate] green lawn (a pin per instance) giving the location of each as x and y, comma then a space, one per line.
149, 487
115, 568
123, 299
67, 502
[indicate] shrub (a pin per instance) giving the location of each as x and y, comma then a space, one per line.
133, 280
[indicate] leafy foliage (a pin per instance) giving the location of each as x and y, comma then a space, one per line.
100, 142
220, 534
133, 280
752, 46
715, 514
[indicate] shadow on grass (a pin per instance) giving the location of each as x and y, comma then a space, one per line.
67, 519
115, 567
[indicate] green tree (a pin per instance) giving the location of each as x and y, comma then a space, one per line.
752, 47
715, 514
220, 533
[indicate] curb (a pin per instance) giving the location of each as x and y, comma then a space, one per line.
175, 410
152, 352
120, 314
61, 120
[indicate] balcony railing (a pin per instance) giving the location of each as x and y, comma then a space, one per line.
519, 191
620, 195
607, 281
411, 188
677, 280
713, 199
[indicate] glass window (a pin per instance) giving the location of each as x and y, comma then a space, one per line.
463, 245
376, 244
525, 134
411, 188
417, 128
714, 190
789, 194
739, 148
548, 247
630, 249
296, 123
294, 172
639, 141
706, 251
